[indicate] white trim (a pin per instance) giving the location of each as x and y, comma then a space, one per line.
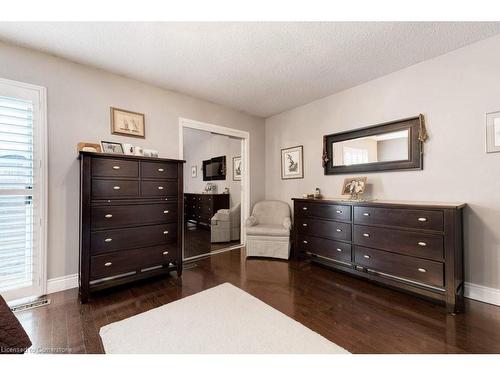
482, 293
42, 164
245, 156
58, 284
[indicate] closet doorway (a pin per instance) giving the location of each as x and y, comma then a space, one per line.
216, 187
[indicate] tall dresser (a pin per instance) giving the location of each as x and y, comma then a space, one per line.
415, 247
201, 207
130, 219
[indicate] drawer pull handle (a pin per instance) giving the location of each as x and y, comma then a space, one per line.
165, 232
422, 219
304, 208
116, 167
107, 216
165, 253
339, 230
366, 256
422, 270
166, 199
165, 212
116, 187
338, 211
304, 225
108, 240
422, 244
160, 169
305, 241
366, 214
160, 187
366, 234
339, 249
107, 264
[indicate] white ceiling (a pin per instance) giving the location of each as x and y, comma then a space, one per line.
259, 68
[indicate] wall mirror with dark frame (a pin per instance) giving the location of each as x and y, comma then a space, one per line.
395, 145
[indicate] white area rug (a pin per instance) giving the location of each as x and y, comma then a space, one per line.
220, 320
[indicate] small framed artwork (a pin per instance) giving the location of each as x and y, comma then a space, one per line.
89, 147
354, 187
292, 162
493, 132
194, 171
131, 124
237, 168
112, 147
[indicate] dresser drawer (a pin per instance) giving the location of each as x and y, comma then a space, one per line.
327, 211
331, 229
104, 217
151, 169
420, 270
407, 218
115, 188
423, 245
325, 248
114, 168
158, 188
111, 264
129, 238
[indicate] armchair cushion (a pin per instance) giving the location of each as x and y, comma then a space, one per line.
252, 220
268, 230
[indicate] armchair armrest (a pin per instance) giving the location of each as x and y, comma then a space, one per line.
251, 221
287, 222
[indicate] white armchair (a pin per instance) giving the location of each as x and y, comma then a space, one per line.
268, 230
225, 225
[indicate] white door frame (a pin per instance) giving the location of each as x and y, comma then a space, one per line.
245, 158
40, 167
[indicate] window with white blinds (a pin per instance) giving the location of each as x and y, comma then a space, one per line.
21, 192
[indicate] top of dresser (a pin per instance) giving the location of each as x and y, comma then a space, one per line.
381, 202
127, 157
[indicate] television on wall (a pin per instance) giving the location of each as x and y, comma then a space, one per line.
214, 169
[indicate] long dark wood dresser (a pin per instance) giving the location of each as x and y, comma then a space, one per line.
130, 219
415, 247
200, 208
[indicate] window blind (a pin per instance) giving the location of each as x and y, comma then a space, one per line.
16, 194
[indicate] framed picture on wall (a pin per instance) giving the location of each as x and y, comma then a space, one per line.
194, 171
130, 124
237, 168
292, 163
493, 132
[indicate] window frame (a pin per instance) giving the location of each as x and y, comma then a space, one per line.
40, 172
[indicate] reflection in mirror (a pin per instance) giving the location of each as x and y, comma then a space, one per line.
391, 146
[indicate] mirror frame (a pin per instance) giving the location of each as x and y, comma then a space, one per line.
415, 160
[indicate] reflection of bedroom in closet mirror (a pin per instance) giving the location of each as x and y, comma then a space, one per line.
292, 164
493, 132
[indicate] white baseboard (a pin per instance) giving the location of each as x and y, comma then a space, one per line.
482, 293
59, 284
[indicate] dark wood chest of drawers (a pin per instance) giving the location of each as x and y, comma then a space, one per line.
130, 219
200, 208
414, 247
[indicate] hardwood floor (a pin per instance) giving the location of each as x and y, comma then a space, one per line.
357, 315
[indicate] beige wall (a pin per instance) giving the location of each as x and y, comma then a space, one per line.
454, 92
202, 145
79, 98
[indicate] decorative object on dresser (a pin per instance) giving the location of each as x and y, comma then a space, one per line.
292, 162
112, 147
200, 208
395, 145
354, 187
130, 219
493, 132
131, 124
90, 147
416, 247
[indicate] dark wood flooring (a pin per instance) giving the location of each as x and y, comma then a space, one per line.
357, 315
197, 241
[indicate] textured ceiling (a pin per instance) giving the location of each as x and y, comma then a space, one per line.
259, 68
